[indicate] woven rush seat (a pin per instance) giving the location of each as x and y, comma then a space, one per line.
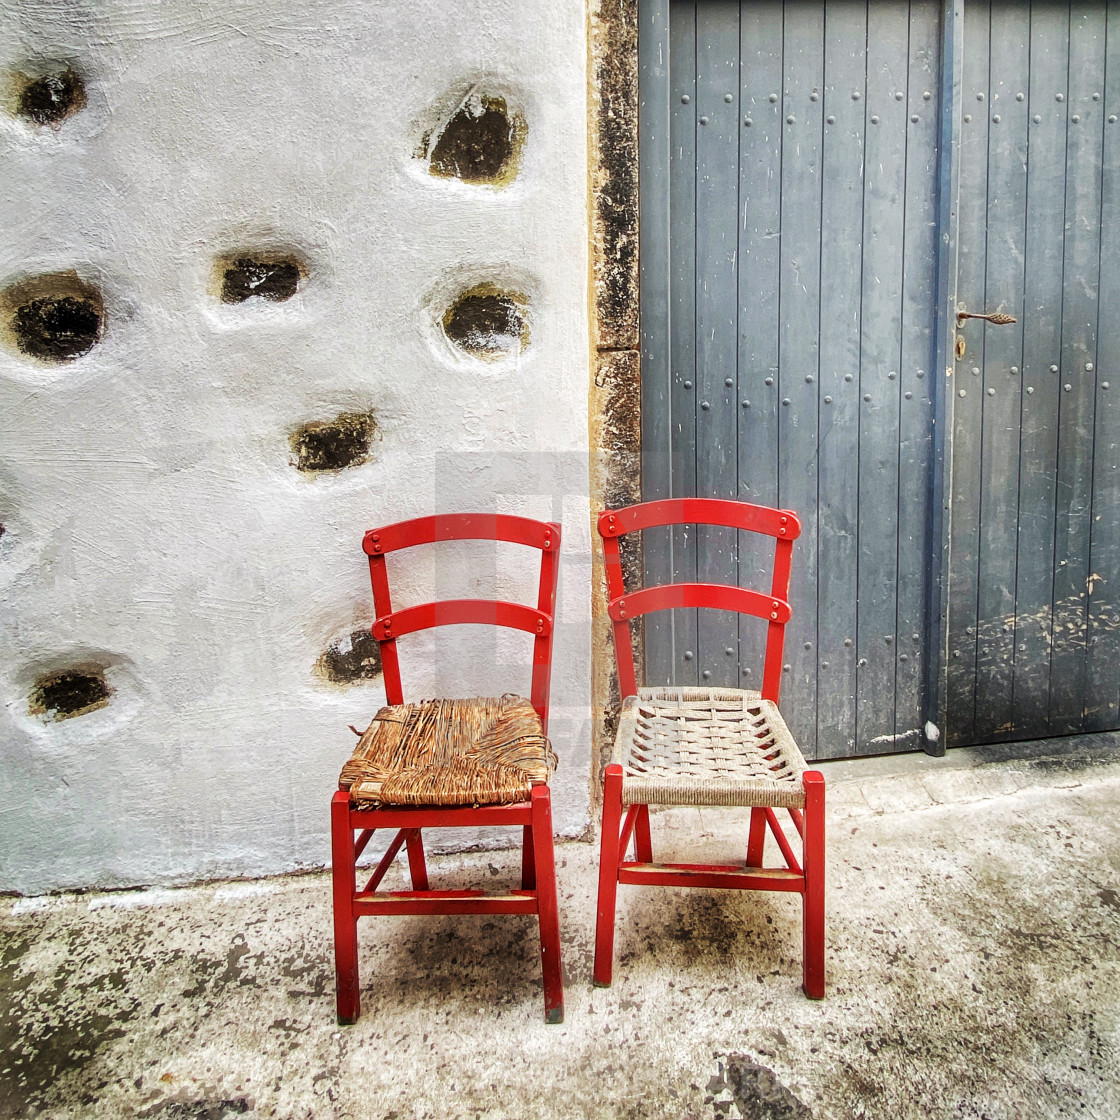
707, 746
482, 751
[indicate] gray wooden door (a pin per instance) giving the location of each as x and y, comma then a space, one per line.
802, 224
1034, 591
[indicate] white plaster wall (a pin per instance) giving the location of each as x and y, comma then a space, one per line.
153, 518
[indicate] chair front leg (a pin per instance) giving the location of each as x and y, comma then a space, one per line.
813, 899
544, 867
345, 921
609, 857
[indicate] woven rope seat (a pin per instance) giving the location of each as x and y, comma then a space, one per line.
707, 746
483, 751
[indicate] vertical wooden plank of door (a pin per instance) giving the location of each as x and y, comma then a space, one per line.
915, 418
883, 224
717, 249
842, 171
940, 389
655, 85
1101, 712
968, 386
798, 356
760, 180
1000, 404
682, 310
1081, 273
1042, 340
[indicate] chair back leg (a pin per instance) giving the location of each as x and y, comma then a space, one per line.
609, 858
528, 860
643, 842
417, 868
756, 840
345, 921
544, 867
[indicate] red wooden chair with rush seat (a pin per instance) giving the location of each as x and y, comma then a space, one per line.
450, 763
708, 746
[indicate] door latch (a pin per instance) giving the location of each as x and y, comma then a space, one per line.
996, 318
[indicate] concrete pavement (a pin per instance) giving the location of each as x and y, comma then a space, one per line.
973, 956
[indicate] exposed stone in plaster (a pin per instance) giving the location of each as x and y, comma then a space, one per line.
350, 659
615, 397
487, 322
258, 273
51, 98
480, 142
65, 693
616, 424
261, 276
54, 318
333, 445
614, 172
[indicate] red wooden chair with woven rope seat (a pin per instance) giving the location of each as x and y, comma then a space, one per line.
708, 746
450, 763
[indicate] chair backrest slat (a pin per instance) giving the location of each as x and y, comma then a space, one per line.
781, 524
720, 596
454, 612
539, 621
544, 535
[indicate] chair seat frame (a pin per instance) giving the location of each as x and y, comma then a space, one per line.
621, 826
353, 826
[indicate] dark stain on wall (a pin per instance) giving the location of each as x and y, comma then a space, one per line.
248, 277
487, 322
480, 143
333, 445
66, 693
351, 659
53, 318
49, 100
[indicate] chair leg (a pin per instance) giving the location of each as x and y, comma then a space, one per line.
756, 841
417, 868
528, 857
608, 876
643, 842
544, 867
345, 922
813, 901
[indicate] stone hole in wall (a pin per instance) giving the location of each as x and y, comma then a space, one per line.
355, 657
65, 693
267, 275
488, 322
48, 99
333, 445
480, 142
54, 318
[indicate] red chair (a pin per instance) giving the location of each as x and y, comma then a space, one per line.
450, 763
708, 746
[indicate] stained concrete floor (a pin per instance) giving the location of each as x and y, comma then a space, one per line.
973, 956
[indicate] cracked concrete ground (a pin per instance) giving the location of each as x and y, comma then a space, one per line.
973, 956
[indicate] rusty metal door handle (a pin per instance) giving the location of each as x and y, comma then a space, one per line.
996, 318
